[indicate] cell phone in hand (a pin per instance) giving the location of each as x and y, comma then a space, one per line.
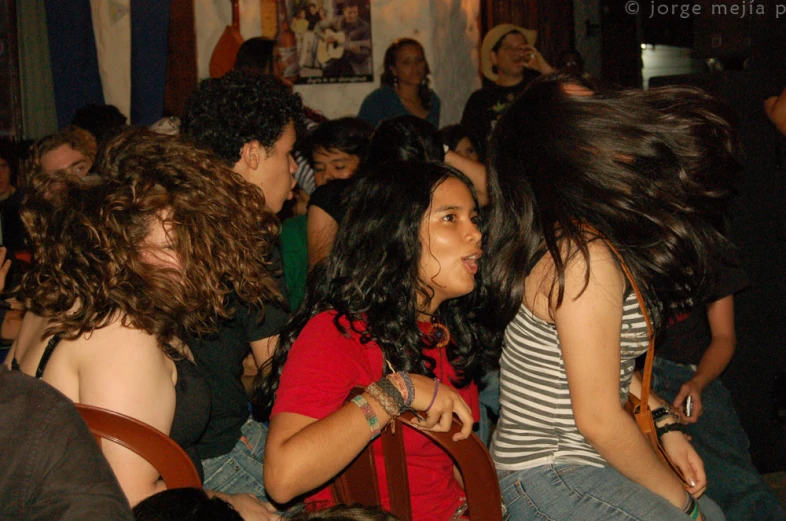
687, 407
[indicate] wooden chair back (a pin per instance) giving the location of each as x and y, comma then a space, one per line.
358, 482
162, 452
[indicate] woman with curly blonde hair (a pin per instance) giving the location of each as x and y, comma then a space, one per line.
129, 265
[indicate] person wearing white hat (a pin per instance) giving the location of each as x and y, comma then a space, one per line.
509, 59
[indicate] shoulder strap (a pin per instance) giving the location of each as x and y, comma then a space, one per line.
50, 348
646, 376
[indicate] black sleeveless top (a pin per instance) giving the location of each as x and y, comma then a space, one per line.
192, 401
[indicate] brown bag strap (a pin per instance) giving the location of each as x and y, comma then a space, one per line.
646, 376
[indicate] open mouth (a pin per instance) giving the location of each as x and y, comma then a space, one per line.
471, 262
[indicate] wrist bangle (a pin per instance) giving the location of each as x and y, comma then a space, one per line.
669, 427
691, 507
660, 412
433, 398
368, 412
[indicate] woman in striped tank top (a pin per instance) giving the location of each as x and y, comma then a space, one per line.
572, 172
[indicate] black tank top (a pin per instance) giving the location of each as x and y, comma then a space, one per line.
192, 401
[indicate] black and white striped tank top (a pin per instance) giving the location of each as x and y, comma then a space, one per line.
536, 425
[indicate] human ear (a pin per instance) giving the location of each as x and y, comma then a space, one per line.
250, 154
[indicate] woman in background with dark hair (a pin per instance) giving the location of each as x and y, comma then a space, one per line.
573, 173
393, 304
405, 86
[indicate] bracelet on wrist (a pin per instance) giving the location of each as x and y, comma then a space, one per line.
410, 389
660, 413
669, 427
385, 401
433, 398
368, 412
691, 507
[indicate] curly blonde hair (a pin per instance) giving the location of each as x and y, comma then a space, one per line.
91, 266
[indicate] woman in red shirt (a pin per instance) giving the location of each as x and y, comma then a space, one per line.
395, 294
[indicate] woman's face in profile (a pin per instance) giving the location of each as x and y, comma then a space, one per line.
450, 242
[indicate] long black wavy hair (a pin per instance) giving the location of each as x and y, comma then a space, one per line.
647, 169
388, 78
371, 279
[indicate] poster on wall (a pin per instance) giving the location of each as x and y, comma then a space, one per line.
326, 41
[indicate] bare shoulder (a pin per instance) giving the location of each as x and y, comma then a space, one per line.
598, 268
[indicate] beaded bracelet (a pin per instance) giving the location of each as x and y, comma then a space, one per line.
384, 400
368, 412
433, 398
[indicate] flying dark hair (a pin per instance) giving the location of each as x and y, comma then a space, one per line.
371, 278
348, 135
225, 113
391, 55
633, 165
92, 261
404, 138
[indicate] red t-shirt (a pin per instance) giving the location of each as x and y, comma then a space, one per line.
322, 368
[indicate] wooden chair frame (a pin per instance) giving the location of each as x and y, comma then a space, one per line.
358, 482
167, 457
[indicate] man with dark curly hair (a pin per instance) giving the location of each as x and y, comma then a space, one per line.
251, 121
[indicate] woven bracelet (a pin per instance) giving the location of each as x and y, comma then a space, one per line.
385, 401
400, 385
368, 412
410, 389
392, 391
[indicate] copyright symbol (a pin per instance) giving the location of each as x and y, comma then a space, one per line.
632, 7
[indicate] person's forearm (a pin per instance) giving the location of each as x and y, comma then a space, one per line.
715, 360
319, 451
617, 438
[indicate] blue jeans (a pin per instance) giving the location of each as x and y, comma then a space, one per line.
240, 471
720, 440
489, 401
572, 492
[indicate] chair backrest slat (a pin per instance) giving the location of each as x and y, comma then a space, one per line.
162, 452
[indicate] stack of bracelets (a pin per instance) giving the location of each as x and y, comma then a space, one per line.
663, 428
394, 393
